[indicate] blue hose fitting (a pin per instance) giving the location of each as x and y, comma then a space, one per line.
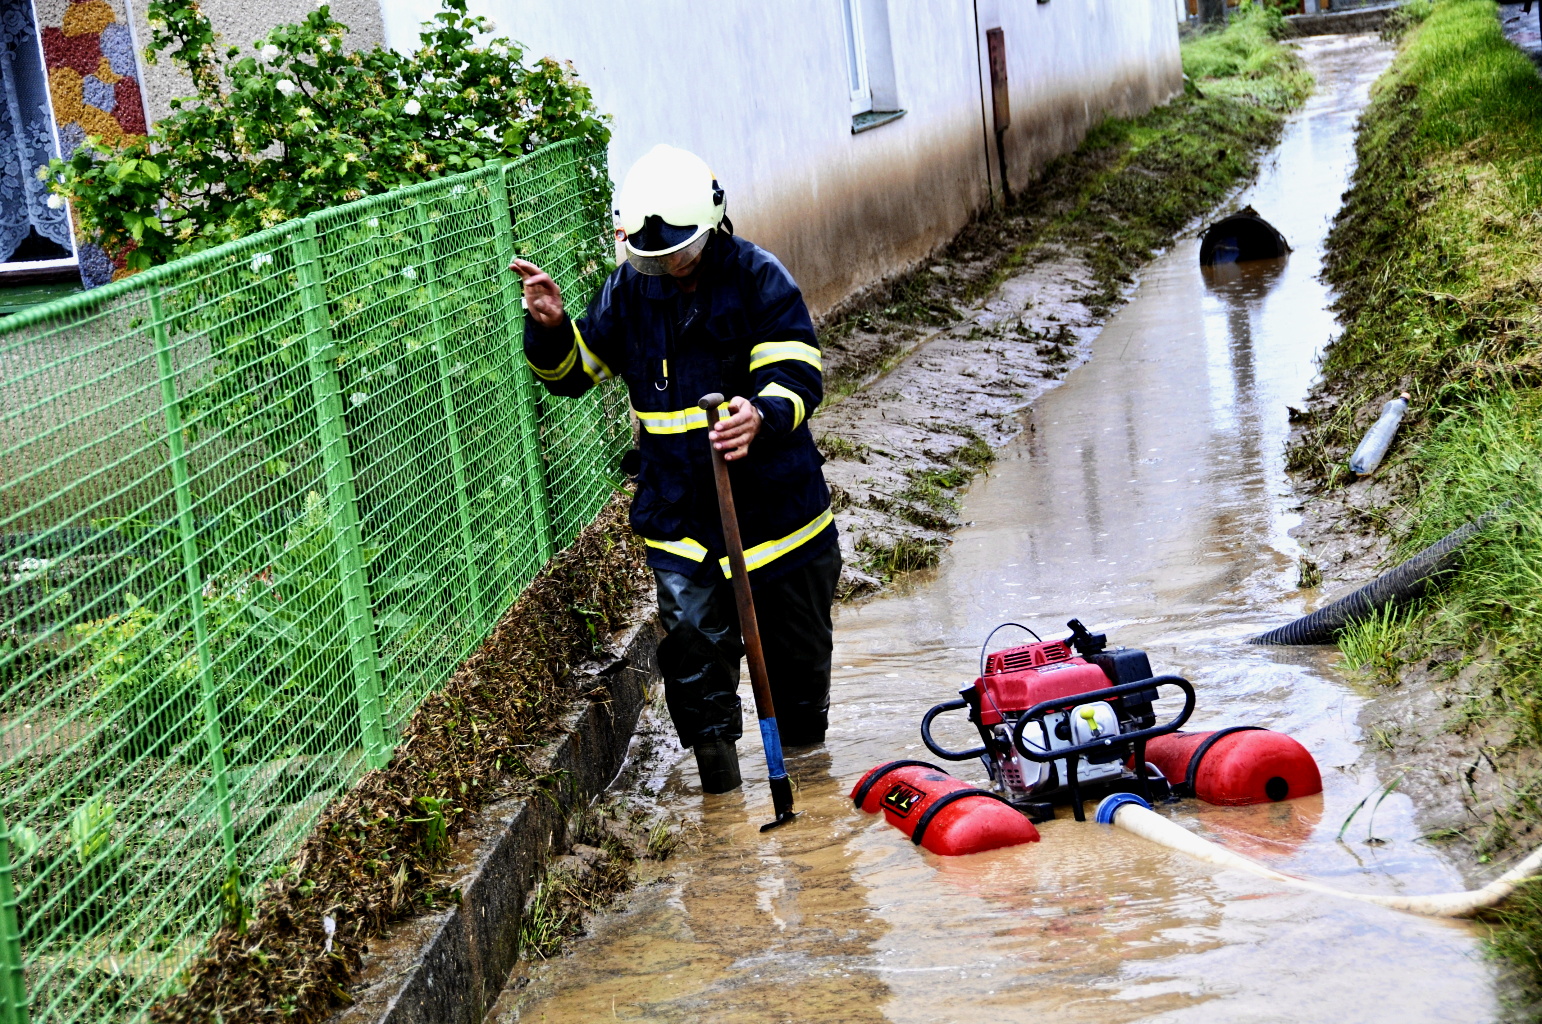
1113, 802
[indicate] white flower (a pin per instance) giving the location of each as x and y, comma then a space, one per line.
268, 53
358, 398
390, 370
498, 50
286, 87
260, 260
374, 222
409, 273
411, 108
55, 201
459, 189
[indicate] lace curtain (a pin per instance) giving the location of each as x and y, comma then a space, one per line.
26, 135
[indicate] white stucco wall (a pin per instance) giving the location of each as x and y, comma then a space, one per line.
240, 23
759, 90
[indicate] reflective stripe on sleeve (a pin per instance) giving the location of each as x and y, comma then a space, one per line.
677, 421
685, 547
594, 366
562, 368
775, 390
764, 554
776, 351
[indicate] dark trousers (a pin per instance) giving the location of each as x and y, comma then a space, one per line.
699, 658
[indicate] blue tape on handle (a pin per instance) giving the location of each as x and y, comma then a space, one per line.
772, 740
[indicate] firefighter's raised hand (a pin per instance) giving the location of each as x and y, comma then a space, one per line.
543, 299
734, 432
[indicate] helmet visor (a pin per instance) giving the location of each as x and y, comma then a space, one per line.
668, 263
657, 237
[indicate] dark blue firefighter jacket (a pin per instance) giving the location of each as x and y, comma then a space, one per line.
745, 331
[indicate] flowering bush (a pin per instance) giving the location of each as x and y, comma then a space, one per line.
298, 124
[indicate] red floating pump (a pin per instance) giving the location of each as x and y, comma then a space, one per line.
945, 815
1241, 765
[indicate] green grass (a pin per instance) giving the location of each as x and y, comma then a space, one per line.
1374, 645
1437, 258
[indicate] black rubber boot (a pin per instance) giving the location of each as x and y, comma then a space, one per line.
717, 762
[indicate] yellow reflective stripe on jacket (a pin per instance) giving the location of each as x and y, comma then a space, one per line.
561, 370
775, 390
594, 366
764, 554
685, 547
776, 351
677, 421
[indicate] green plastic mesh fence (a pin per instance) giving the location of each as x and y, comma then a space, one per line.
254, 506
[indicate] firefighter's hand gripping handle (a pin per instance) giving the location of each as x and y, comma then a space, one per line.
781, 786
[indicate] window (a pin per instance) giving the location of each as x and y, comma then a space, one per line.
869, 64
856, 58
34, 234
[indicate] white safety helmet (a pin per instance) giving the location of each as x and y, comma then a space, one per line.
666, 210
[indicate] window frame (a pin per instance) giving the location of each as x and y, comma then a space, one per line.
58, 268
861, 94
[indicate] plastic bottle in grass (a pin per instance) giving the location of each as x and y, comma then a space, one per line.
1379, 438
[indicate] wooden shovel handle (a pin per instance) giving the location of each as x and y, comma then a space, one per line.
748, 628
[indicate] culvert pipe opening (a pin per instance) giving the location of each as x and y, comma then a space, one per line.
1240, 238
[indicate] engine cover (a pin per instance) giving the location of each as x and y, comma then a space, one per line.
1020, 677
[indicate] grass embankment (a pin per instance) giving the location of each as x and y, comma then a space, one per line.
1437, 256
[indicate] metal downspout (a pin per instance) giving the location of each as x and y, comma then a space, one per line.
979, 79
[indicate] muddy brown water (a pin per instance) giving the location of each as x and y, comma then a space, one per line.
1150, 500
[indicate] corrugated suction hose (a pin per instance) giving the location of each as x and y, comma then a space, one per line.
1404, 583
1131, 813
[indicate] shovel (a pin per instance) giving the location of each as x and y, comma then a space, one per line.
781, 785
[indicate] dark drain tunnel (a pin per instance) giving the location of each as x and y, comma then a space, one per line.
1240, 238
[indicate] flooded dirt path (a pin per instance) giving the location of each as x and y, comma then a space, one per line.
1150, 500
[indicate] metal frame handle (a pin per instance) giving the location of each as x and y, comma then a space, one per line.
931, 744
1039, 710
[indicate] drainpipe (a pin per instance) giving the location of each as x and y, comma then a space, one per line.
979, 77
1001, 107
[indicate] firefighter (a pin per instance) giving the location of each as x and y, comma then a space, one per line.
694, 310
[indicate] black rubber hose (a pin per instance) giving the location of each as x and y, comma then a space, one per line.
1404, 583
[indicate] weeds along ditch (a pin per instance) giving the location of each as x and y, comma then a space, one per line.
256, 506
1437, 258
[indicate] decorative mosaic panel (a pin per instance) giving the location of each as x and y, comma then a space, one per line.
93, 81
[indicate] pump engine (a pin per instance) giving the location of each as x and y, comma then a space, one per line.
1064, 720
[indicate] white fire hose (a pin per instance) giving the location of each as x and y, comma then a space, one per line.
1131, 813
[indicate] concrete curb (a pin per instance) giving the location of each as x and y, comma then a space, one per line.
1365, 19
449, 967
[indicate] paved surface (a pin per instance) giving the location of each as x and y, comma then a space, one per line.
1523, 29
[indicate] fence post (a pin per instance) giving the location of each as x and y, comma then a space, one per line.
347, 540
527, 401
192, 574
13, 982
447, 400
